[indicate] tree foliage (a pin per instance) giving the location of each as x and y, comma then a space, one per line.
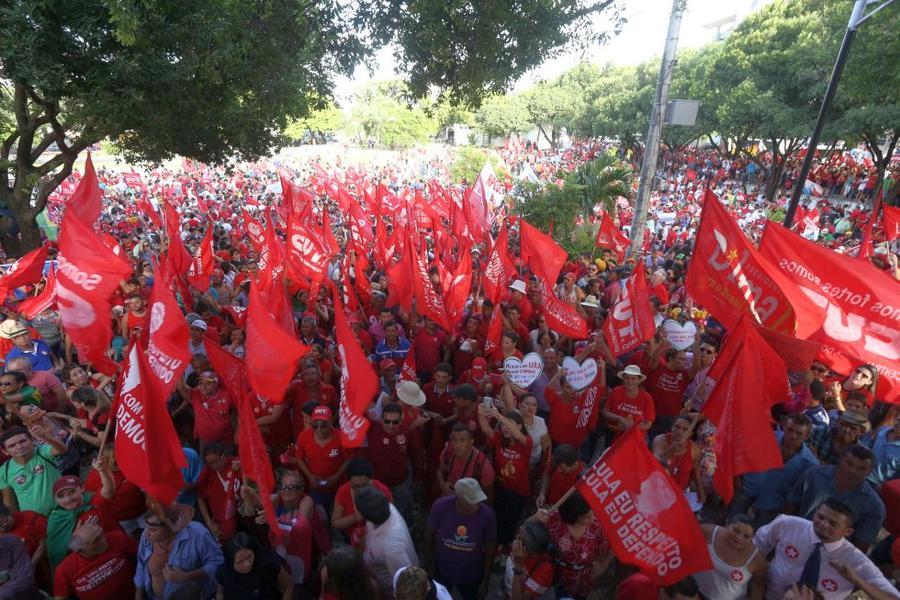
329, 119
501, 115
468, 164
381, 113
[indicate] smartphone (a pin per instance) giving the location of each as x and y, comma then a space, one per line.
487, 402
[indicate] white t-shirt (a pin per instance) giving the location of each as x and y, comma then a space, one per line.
389, 548
536, 432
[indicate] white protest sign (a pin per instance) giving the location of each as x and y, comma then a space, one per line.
680, 335
524, 371
580, 376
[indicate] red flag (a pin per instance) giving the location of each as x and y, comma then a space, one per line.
608, 236
646, 518
231, 370
728, 277
178, 258
26, 270
203, 263
542, 254
750, 377
307, 253
328, 234
891, 222
167, 348
146, 207
238, 313
494, 332
499, 268
147, 448
401, 282
84, 203
87, 275
847, 305
37, 304
630, 322
255, 461
408, 370
428, 302
359, 382
460, 286
561, 317
272, 354
254, 231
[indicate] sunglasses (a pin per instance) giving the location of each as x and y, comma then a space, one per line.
390, 422
290, 488
7, 383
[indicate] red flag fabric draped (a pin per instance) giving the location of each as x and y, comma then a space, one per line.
177, 256
494, 332
847, 305
203, 263
891, 222
254, 231
87, 275
147, 448
645, 516
428, 302
561, 316
608, 236
167, 348
408, 370
24, 271
307, 253
84, 203
499, 268
272, 354
460, 286
37, 304
630, 322
359, 382
728, 277
750, 377
543, 255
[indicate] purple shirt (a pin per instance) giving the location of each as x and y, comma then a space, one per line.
460, 540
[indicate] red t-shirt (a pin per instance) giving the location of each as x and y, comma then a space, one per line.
107, 575
212, 416
220, 490
344, 498
428, 348
560, 482
389, 453
439, 402
129, 501
639, 406
278, 434
323, 461
298, 394
637, 587
571, 422
30, 527
511, 461
667, 387
476, 466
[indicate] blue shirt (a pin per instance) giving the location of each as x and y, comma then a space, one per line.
817, 485
40, 356
190, 473
194, 547
398, 354
770, 488
887, 457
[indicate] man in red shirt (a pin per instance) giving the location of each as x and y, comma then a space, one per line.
215, 417
388, 449
430, 346
309, 387
321, 458
101, 567
28, 526
573, 413
360, 474
514, 323
628, 403
666, 383
217, 491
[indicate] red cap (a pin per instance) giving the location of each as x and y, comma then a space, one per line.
321, 413
386, 363
64, 483
479, 367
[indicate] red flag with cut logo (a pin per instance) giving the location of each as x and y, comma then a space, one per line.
561, 316
847, 305
87, 275
84, 203
543, 255
307, 253
272, 354
499, 268
630, 321
359, 382
254, 231
147, 448
750, 378
608, 236
35, 305
728, 277
28, 269
646, 518
203, 263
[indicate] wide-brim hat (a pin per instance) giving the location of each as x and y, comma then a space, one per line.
519, 286
591, 301
409, 392
631, 370
10, 328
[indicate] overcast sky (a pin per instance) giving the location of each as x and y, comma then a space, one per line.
642, 37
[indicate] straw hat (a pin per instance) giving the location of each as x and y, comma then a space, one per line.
409, 392
631, 370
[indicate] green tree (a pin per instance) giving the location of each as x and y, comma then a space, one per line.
382, 113
329, 119
499, 116
217, 81
468, 164
550, 105
601, 181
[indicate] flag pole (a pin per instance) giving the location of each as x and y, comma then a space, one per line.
105, 434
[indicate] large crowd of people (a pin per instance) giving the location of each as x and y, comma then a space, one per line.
463, 484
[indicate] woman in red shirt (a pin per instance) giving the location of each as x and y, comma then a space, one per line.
508, 342
512, 451
628, 403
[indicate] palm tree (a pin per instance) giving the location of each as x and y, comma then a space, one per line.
601, 181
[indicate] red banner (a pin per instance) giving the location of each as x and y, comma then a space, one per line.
359, 382
847, 305
645, 516
543, 255
561, 317
727, 276
630, 322
167, 348
35, 305
891, 222
24, 271
204, 262
499, 268
608, 236
307, 253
